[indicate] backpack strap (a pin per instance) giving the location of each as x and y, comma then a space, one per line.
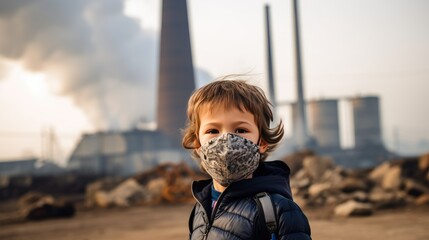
266, 208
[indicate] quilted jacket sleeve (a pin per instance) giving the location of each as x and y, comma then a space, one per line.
292, 223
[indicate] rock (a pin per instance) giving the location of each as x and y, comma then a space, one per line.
101, 199
99, 188
360, 196
331, 200
350, 184
384, 200
301, 183
31, 199
424, 162
179, 191
392, 179
422, 200
318, 188
127, 193
333, 175
409, 167
317, 166
378, 173
37, 206
414, 188
300, 180
155, 188
353, 208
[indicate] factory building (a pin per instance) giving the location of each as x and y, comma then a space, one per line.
122, 153
324, 123
18, 167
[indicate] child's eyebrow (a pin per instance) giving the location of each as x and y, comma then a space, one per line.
219, 124
241, 122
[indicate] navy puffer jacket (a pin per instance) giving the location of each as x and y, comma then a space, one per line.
236, 214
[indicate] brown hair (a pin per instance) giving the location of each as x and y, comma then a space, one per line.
232, 93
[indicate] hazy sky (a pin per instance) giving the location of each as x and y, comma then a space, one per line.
76, 65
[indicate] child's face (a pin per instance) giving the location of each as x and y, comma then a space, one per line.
221, 120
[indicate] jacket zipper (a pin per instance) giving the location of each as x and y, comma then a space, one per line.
206, 233
212, 216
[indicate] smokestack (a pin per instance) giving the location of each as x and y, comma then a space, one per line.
302, 138
270, 60
176, 73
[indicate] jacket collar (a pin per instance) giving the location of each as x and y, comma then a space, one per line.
271, 177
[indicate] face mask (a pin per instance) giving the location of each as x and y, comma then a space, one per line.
229, 158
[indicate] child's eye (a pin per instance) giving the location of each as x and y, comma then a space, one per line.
212, 131
241, 130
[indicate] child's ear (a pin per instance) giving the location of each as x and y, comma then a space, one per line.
263, 146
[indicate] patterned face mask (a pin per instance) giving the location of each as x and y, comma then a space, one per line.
229, 158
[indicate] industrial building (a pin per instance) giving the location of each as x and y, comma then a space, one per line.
18, 167
122, 153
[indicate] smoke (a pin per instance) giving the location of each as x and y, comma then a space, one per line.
90, 50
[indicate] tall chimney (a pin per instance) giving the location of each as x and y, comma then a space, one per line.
302, 138
176, 73
270, 60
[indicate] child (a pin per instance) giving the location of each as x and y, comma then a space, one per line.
229, 132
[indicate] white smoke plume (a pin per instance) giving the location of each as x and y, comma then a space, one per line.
93, 53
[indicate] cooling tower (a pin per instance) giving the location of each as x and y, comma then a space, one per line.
366, 117
176, 76
300, 139
324, 123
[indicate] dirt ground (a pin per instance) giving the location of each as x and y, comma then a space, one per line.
170, 223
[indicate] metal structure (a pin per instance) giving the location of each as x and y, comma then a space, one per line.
367, 123
324, 123
176, 73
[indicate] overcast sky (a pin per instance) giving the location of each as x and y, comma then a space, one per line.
75, 65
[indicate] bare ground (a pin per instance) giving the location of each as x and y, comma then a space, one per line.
170, 223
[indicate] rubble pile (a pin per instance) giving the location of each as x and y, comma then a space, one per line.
167, 183
317, 182
38, 206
